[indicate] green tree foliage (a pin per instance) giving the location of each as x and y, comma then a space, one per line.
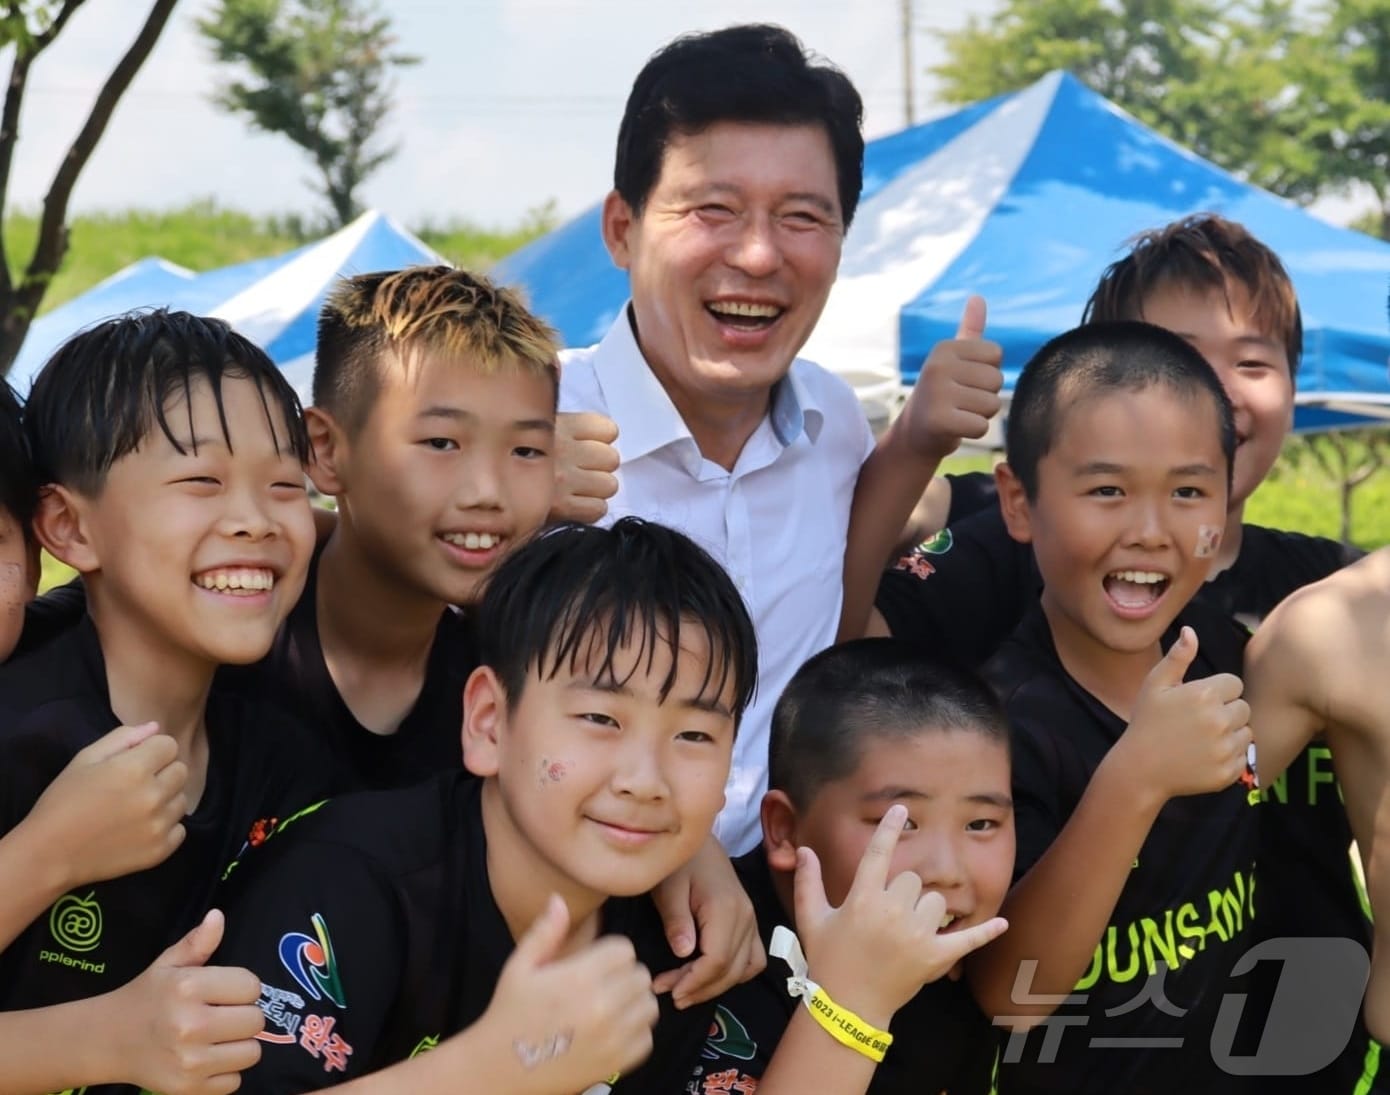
318, 72
27, 28
1298, 104
1348, 102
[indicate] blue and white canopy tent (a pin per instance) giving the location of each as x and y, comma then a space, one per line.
273, 301
1025, 199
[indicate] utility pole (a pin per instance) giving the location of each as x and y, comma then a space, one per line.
909, 95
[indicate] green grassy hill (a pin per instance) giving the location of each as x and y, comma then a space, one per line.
204, 236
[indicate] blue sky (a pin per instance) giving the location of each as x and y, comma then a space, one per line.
515, 101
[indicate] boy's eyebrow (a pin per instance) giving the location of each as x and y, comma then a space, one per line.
189, 444
1254, 338
1102, 467
894, 794
458, 414
698, 703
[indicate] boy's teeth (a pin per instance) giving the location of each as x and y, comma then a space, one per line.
947, 921
474, 541
240, 578
1139, 577
745, 308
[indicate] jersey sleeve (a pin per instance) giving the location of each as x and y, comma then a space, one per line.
961, 593
971, 493
319, 925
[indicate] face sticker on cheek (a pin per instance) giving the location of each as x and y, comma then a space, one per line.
552, 771
1208, 541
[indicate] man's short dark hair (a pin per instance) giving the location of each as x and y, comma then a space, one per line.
19, 486
105, 389
432, 309
753, 73
575, 594
1097, 359
1202, 253
852, 695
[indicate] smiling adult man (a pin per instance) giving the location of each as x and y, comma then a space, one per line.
738, 169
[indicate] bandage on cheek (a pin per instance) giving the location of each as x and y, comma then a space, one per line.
1208, 541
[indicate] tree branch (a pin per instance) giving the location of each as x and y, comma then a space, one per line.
52, 241
24, 54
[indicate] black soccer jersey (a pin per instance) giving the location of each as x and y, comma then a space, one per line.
941, 1040
373, 928
53, 703
428, 739
48, 616
1307, 886
1148, 1001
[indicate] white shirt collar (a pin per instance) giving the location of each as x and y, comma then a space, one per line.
648, 420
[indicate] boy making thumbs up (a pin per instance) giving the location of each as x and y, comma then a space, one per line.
1136, 835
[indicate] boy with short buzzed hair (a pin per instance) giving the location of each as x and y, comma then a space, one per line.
615, 665
173, 451
862, 729
1136, 836
1211, 281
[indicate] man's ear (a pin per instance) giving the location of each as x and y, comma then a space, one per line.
779, 830
330, 447
618, 220
1013, 504
484, 721
61, 526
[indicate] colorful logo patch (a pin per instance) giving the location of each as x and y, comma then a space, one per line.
728, 1038
939, 544
310, 961
75, 922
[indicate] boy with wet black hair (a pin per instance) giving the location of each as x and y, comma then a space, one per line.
172, 451
615, 665
1136, 834
864, 728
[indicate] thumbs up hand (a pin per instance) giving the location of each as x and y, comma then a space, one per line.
957, 391
1186, 738
569, 1020
183, 1027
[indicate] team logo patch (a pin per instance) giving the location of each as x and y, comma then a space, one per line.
310, 961
75, 922
916, 562
728, 1038
939, 544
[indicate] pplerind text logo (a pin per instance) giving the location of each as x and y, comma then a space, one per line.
75, 924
